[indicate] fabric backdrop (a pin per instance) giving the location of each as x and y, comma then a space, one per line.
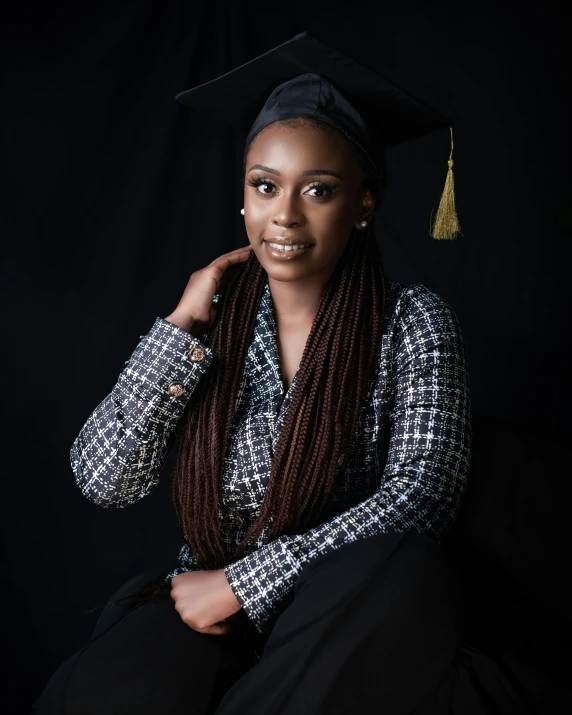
113, 194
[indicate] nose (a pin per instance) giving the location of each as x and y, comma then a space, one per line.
287, 212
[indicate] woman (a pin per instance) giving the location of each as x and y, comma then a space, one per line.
322, 416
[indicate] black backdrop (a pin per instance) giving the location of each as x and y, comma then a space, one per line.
113, 194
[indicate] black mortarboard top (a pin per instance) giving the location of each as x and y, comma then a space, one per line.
304, 77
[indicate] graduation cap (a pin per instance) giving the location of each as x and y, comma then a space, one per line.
304, 77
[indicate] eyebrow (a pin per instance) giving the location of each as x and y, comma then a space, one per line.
308, 172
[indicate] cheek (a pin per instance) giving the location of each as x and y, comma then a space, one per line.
332, 222
257, 215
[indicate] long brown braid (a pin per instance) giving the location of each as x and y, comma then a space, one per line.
333, 380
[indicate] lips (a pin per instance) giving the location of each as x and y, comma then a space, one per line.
287, 241
287, 252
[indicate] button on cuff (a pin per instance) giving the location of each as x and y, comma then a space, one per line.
176, 388
197, 354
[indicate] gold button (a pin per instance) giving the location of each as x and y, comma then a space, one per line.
197, 354
176, 389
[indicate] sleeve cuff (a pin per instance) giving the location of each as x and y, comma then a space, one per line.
263, 582
168, 362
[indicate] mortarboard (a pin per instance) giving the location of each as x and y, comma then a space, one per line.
304, 77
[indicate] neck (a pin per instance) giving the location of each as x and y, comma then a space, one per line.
296, 302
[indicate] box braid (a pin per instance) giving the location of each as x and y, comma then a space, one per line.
336, 373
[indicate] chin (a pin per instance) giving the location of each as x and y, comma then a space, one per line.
287, 273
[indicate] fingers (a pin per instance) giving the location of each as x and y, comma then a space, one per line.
232, 258
227, 259
217, 629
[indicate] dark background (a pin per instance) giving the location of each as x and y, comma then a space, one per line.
113, 193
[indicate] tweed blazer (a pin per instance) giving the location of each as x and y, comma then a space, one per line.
407, 468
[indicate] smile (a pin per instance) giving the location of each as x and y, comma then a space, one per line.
281, 252
294, 247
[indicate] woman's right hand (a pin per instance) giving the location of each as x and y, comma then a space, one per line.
196, 311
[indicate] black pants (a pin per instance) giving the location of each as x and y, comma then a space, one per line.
376, 626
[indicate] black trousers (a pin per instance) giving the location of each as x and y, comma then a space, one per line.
376, 626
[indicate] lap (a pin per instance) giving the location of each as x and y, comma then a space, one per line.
143, 658
375, 622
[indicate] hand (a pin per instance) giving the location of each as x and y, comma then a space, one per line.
196, 311
205, 601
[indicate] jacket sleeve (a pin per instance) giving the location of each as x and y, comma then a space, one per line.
426, 469
120, 450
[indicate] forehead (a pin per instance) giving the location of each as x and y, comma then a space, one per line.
301, 147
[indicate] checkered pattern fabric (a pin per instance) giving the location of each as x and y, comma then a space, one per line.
407, 468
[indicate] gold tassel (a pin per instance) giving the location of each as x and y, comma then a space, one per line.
446, 223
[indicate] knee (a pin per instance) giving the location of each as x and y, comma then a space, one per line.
401, 566
424, 577
418, 591
360, 559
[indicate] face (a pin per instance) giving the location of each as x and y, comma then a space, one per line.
303, 187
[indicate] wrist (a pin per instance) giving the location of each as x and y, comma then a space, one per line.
232, 599
180, 322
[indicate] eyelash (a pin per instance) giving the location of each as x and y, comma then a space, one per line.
261, 181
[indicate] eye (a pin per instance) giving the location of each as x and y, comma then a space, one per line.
323, 190
262, 186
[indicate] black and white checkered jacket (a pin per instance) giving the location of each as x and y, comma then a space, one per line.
407, 470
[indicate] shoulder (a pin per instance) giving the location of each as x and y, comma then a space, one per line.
416, 309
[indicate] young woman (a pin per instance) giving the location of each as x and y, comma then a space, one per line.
322, 419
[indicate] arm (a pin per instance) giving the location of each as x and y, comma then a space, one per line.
426, 470
120, 450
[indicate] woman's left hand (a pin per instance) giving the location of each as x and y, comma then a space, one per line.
204, 600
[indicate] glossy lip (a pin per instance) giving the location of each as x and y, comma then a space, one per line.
283, 241
287, 255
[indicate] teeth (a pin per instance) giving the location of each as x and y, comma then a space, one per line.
279, 247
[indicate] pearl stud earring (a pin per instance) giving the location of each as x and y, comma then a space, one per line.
363, 224
242, 211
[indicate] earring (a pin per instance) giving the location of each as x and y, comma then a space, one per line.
242, 211
363, 224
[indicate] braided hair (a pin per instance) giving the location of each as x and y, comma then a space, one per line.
319, 426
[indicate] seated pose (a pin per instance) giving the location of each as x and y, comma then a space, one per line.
322, 418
